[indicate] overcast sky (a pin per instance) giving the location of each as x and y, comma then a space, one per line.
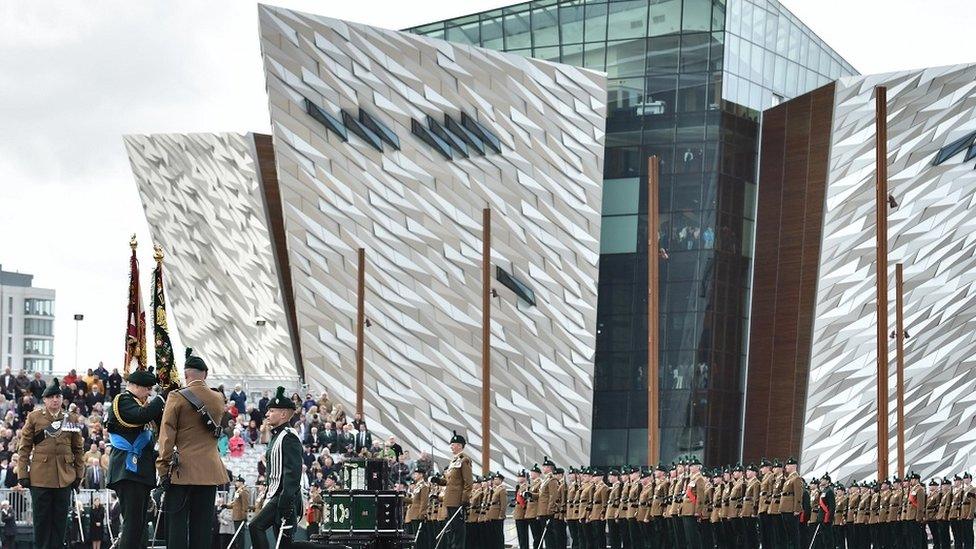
76, 76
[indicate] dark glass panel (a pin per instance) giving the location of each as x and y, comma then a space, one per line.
627, 19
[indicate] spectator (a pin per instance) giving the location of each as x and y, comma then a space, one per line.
8, 384
6, 472
357, 420
102, 373
94, 475
337, 415
222, 443
308, 457
324, 403
72, 377
96, 529
328, 436
256, 415
263, 405
37, 386
252, 434
399, 471
226, 523
8, 522
239, 398
364, 439
397, 449
385, 452
114, 383
236, 444
309, 402
425, 463
347, 441
312, 438
95, 396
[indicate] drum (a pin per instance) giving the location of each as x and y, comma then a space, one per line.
336, 511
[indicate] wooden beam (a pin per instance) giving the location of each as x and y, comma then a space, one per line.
653, 314
881, 206
486, 342
900, 389
360, 327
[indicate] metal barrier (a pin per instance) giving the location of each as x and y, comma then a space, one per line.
20, 501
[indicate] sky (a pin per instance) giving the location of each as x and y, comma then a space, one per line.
76, 76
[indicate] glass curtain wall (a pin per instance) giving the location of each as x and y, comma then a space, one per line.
664, 61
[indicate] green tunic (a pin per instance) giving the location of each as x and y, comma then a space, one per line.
131, 421
284, 473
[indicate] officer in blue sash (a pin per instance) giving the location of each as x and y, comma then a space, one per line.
283, 499
131, 466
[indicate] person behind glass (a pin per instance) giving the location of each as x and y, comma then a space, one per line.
52, 445
458, 480
189, 466
96, 524
283, 499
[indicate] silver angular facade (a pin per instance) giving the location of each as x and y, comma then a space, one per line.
933, 233
204, 204
417, 213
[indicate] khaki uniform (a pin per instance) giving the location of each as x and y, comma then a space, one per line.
418, 500
182, 428
459, 481
55, 461
532, 505
598, 503
240, 504
644, 502
659, 498
547, 492
750, 498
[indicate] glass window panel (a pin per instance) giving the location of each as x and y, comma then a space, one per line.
694, 52
691, 92
517, 31
697, 15
545, 27
626, 58
492, 35
618, 235
662, 54
659, 129
637, 443
595, 25
661, 94
770, 34
609, 445
745, 60
571, 24
623, 138
756, 64
779, 76
426, 29
622, 162
718, 15
573, 55
665, 17
716, 51
621, 196
628, 19
465, 34
594, 56
690, 127
732, 63
715, 91
746, 30
625, 97
758, 25
550, 53
792, 78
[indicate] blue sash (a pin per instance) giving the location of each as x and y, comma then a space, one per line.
134, 450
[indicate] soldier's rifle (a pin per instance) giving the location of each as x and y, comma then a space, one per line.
174, 463
76, 505
440, 536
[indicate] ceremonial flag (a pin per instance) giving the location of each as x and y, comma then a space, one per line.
135, 324
165, 364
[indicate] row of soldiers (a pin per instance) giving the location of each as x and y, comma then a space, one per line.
484, 516
688, 506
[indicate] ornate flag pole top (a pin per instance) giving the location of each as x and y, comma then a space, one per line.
158, 252
133, 243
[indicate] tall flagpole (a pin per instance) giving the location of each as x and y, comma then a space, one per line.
653, 316
900, 360
360, 327
486, 342
881, 210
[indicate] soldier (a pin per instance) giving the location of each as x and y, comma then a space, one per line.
418, 498
532, 507
955, 512
572, 507
545, 510
679, 482
659, 499
915, 512
711, 508
851, 527
812, 516
239, 506
188, 425
585, 497
892, 522
693, 504
643, 517
840, 517
791, 503
596, 520
750, 508
736, 495
558, 506
827, 504
51, 443
945, 507
131, 469
457, 492
613, 509
497, 505
968, 509
436, 513
521, 502
767, 527
933, 500
630, 530
473, 515
283, 500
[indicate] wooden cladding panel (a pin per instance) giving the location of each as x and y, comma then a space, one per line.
793, 170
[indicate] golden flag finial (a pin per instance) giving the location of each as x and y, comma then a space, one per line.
132, 242
158, 254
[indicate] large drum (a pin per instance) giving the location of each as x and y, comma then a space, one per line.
362, 512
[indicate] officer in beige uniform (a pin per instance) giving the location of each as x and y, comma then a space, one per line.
457, 492
418, 498
545, 509
497, 505
521, 507
659, 499
52, 445
585, 497
692, 506
532, 505
750, 508
596, 520
791, 503
188, 465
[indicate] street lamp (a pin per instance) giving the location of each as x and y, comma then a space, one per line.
78, 319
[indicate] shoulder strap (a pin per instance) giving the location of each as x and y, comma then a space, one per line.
201, 409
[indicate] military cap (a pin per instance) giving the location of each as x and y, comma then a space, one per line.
558, 471
646, 473
240, 478
966, 475
934, 483
791, 461
546, 462
193, 361
281, 401
522, 474
458, 439
613, 473
765, 463
738, 468
825, 477
694, 461
421, 470
661, 467
54, 389
752, 467
776, 463
946, 482
573, 470
142, 378
535, 468
957, 477
477, 479
498, 474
